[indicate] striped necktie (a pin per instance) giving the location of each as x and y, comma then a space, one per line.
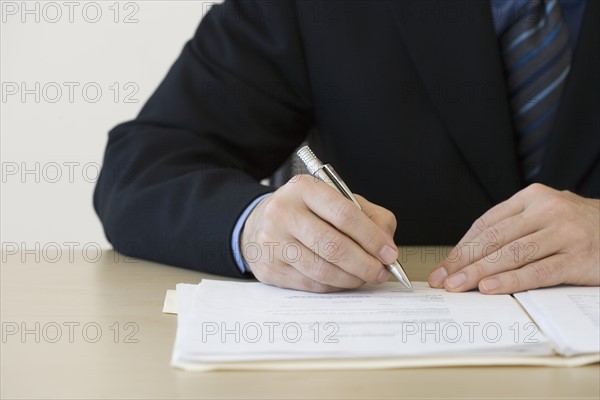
537, 61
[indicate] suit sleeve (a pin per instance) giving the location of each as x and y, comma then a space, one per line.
231, 109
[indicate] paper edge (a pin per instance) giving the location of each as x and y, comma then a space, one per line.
170, 303
392, 363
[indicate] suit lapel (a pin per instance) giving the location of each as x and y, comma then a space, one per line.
574, 143
454, 48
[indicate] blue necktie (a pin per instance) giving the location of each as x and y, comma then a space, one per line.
537, 61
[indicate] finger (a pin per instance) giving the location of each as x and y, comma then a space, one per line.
336, 248
287, 277
344, 215
317, 268
512, 256
491, 227
488, 242
512, 206
506, 209
549, 271
384, 218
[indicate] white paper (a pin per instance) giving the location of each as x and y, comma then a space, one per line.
569, 316
237, 321
170, 303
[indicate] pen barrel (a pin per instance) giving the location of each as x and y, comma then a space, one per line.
396, 269
327, 174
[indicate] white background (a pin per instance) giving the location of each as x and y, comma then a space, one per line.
52, 146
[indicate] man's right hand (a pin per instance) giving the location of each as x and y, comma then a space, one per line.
307, 236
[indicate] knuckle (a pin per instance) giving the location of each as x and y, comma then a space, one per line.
300, 180
536, 189
332, 247
372, 270
480, 224
391, 220
373, 239
493, 235
541, 273
261, 236
345, 215
479, 270
452, 258
321, 272
514, 281
337, 253
356, 284
274, 207
314, 286
299, 183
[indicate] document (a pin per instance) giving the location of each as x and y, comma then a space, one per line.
225, 324
247, 325
569, 316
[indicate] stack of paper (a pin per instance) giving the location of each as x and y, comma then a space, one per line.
569, 316
251, 325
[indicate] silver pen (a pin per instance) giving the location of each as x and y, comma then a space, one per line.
327, 174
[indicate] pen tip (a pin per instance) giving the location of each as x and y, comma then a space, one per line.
398, 272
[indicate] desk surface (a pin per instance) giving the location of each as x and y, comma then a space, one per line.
93, 328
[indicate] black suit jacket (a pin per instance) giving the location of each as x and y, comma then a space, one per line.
410, 91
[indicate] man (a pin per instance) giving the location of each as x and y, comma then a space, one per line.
460, 118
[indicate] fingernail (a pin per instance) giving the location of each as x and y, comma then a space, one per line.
457, 280
388, 254
437, 277
384, 275
490, 284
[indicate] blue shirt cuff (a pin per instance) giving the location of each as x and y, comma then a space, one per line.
237, 230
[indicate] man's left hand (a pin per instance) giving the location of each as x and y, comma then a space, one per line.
539, 237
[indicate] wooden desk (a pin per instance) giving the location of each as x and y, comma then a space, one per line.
78, 297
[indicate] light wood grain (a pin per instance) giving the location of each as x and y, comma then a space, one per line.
112, 290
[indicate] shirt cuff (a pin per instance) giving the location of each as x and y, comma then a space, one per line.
237, 230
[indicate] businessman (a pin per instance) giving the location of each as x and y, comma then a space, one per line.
472, 123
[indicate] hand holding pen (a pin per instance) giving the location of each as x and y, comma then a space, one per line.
307, 236
327, 174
